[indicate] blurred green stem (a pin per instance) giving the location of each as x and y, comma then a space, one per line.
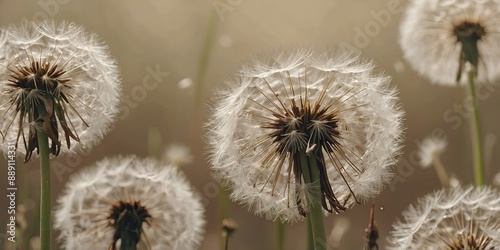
155, 143
311, 178
476, 133
281, 235
310, 236
205, 56
43, 146
223, 212
441, 171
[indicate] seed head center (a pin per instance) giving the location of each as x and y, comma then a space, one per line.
469, 31
127, 219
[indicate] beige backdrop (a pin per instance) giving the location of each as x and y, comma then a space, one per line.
170, 35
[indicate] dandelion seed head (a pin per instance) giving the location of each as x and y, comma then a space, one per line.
56, 73
432, 32
332, 107
430, 148
458, 218
154, 199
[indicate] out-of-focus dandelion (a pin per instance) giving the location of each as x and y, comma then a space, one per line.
496, 180
301, 131
229, 226
340, 228
437, 35
429, 153
35, 243
129, 202
454, 181
58, 79
429, 149
178, 154
458, 218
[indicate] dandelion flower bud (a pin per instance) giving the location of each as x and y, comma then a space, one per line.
331, 109
458, 218
57, 78
436, 36
127, 200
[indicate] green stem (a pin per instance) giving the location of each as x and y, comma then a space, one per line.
205, 56
226, 241
310, 236
43, 146
281, 235
440, 171
310, 172
476, 135
155, 143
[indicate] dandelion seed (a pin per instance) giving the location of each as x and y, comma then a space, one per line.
61, 76
331, 107
458, 218
128, 201
436, 35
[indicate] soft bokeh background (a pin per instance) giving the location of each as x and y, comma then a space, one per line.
206, 42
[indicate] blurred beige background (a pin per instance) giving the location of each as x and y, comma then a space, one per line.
170, 36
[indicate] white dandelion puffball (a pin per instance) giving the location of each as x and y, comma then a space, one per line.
457, 218
429, 38
57, 73
332, 110
128, 194
430, 148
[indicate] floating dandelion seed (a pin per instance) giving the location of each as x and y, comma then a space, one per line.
127, 201
333, 109
61, 76
458, 218
436, 35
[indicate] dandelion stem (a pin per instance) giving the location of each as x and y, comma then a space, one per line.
281, 235
129, 240
311, 178
225, 236
43, 146
310, 236
440, 171
476, 134
223, 210
205, 56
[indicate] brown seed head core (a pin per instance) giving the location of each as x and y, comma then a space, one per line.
38, 96
127, 219
469, 30
311, 129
